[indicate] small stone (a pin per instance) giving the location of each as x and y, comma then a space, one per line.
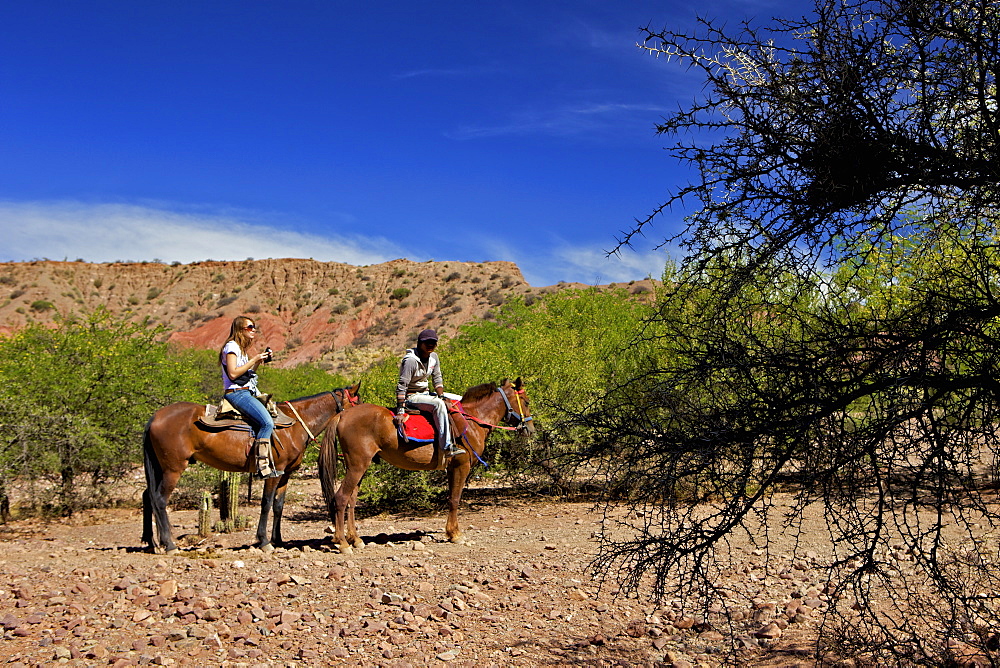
98, 652
769, 631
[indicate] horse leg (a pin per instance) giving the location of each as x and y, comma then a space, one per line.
159, 496
345, 498
147, 520
279, 506
458, 472
352, 530
266, 501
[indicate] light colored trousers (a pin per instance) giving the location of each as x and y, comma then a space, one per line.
431, 402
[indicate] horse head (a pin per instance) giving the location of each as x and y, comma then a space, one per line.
518, 412
347, 396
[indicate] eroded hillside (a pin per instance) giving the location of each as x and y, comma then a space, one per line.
338, 315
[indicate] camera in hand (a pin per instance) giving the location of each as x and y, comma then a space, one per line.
270, 354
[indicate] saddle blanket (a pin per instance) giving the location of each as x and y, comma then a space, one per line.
420, 428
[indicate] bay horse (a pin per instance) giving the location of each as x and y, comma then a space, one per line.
368, 430
172, 439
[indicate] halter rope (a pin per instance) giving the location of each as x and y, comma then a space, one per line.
340, 409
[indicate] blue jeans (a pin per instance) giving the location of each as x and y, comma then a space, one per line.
253, 411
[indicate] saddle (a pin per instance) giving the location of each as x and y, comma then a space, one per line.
420, 425
419, 428
225, 416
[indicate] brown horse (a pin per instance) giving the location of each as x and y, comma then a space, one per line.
368, 430
172, 440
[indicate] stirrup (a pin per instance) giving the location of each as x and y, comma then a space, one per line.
453, 451
266, 471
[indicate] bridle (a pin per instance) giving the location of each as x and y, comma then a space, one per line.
352, 400
521, 422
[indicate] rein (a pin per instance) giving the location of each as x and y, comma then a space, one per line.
301, 421
510, 413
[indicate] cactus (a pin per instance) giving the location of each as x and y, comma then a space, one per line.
229, 495
229, 503
205, 515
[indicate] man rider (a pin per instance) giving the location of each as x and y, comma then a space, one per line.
419, 367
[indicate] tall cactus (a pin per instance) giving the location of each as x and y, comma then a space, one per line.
229, 503
205, 515
229, 496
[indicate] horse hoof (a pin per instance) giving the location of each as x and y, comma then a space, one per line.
345, 549
174, 551
267, 549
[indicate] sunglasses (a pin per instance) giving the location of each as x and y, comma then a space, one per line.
253, 327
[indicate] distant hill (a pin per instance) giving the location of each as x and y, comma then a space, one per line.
341, 316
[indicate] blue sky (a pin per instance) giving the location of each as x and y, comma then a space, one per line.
342, 131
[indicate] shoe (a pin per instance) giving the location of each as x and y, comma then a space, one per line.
265, 470
453, 451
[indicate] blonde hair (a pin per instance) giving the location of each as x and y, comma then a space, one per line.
238, 333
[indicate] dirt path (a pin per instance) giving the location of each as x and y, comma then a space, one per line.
517, 594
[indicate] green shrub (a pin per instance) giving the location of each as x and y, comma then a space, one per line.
386, 488
40, 305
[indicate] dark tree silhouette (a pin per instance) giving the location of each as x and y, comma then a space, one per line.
832, 331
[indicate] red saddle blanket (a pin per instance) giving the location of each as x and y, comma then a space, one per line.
420, 428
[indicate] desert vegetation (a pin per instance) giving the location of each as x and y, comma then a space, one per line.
828, 340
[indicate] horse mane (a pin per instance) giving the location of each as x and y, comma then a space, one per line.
477, 392
320, 394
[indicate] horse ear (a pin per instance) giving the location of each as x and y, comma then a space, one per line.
518, 384
355, 389
505, 382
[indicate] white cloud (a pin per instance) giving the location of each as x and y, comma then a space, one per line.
593, 266
109, 232
589, 265
567, 120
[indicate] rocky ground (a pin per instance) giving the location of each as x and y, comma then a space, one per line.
518, 593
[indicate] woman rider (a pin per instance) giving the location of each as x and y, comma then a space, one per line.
239, 383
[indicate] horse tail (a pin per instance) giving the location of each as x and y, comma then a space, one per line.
152, 467
328, 466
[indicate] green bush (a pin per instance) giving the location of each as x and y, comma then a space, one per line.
386, 488
74, 400
40, 305
567, 348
